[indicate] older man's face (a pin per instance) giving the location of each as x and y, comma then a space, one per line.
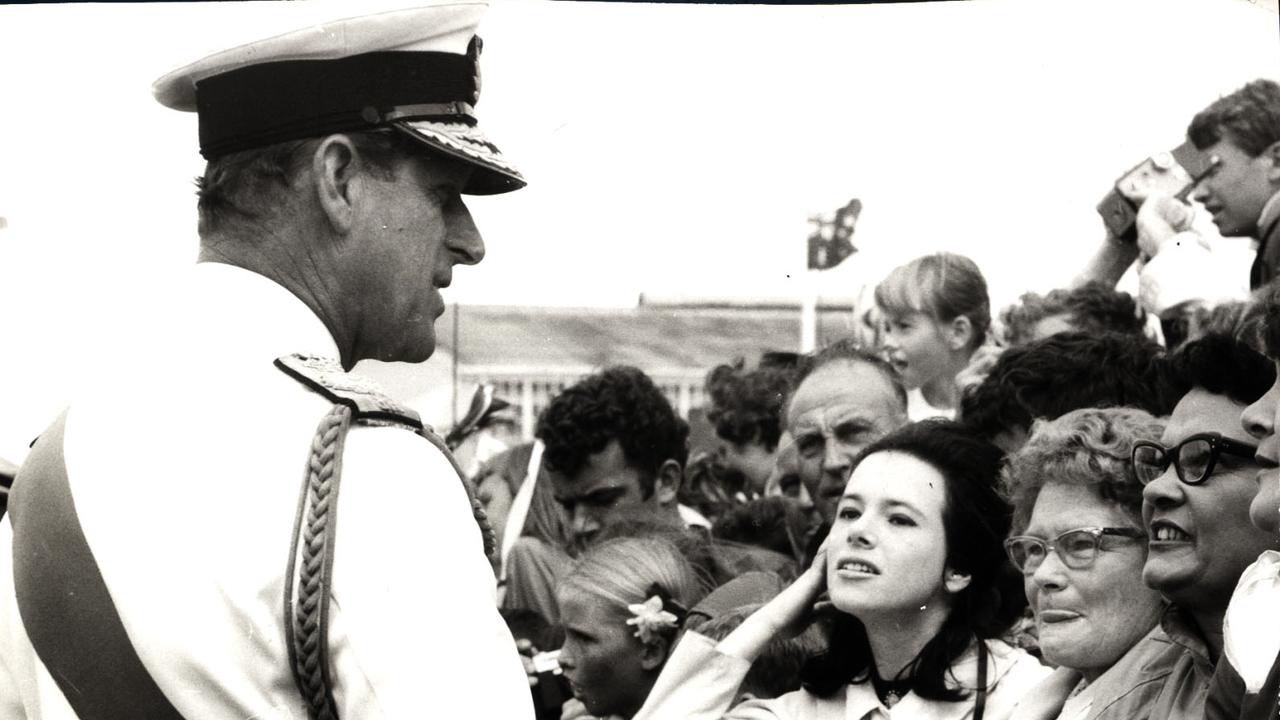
411, 230
837, 411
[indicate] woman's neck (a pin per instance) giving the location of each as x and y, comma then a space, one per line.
896, 641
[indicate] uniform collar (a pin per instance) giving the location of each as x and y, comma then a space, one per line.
260, 312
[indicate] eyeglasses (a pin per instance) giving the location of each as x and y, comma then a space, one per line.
1193, 459
1077, 549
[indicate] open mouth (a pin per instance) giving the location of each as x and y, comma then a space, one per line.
1165, 531
856, 567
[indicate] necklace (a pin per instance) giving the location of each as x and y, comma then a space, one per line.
890, 691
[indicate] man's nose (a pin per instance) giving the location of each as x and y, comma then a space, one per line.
1201, 192
465, 244
835, 459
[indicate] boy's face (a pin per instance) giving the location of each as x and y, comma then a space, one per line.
1260, 420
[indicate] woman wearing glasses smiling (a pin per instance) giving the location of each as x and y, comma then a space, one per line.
1079, 542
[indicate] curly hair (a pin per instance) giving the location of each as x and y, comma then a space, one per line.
619, 403
1093, 307
1090, 447
1222, 364
976, 520
944, 285
1249, 118
746, 406
1068, 371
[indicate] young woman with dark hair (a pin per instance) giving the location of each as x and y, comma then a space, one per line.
915, 568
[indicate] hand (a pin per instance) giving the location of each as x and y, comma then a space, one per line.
803, 596
573, 709
1160, 218
527, 651
785, 615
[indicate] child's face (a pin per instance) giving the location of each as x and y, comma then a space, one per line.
601, 656
916, 347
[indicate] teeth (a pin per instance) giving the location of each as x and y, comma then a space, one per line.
857, 567
1167, 533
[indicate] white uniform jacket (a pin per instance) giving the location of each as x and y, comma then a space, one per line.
185, 466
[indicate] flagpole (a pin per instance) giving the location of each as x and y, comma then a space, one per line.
809, 312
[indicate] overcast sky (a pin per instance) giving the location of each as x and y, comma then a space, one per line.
671, 150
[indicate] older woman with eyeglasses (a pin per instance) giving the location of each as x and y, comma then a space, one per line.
1079, 542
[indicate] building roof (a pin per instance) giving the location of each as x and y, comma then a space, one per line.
670, 339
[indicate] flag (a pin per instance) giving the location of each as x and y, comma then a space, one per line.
831, 242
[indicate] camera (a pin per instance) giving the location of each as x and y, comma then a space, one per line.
1172, 173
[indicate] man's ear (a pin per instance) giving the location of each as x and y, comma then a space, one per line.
1272, 153
955, 581
667, 483
333, 165
653, 654
959, 333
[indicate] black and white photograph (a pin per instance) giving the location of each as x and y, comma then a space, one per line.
560, 360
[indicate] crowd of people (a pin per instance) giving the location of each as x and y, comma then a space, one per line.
1045, 512
1067, 509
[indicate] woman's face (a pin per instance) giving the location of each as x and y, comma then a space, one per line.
601, 656
1087, 618
887, 554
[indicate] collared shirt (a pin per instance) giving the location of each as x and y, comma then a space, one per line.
185, 461
1129, 688
701, 682
1183, 693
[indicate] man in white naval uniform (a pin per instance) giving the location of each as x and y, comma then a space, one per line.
330, 215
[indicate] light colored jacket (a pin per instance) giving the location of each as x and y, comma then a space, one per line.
701, 683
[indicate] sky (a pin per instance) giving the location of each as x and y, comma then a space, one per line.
674, 151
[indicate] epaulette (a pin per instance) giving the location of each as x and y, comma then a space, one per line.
362, 395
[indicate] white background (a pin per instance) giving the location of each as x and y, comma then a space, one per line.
671, 150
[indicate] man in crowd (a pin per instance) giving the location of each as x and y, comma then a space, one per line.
845, 399
1064, 372
615, 450
1196, 510
1091, 308
164, 500
746, 409
614, 454
1239, 135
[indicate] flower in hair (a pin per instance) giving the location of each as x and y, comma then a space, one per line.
651, 620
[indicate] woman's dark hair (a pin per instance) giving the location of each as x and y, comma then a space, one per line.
975, 520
